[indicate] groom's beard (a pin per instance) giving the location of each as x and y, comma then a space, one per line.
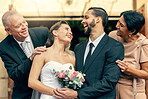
92, 24
88, 31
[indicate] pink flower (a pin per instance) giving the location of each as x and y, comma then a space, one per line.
83, 80
71, 77
61, 75
75, 79
75, 73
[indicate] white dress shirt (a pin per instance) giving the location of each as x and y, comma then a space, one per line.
95, 42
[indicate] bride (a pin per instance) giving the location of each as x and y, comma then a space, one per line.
56, 57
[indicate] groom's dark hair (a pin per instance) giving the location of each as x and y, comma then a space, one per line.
98, 11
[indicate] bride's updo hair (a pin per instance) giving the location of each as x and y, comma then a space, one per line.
50, 39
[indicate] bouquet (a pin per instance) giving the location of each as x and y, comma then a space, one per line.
70, 78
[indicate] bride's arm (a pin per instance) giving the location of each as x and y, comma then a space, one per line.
33, 81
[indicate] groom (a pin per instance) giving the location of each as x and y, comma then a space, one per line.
102, 73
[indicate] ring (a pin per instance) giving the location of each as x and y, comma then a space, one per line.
123, 69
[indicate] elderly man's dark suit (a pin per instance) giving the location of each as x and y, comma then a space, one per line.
16, 62
102, 73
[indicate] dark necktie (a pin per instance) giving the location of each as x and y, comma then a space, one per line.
91, 45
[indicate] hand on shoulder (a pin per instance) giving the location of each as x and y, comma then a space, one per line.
38, 51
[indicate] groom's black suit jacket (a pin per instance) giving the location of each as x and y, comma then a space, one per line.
16, 62
102, 73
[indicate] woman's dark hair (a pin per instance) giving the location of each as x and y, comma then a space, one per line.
98, 11
56, 26
133, 20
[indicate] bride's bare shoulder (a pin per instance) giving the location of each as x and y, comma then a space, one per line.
72, 59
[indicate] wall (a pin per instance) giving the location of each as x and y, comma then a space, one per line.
140, 3
3, 73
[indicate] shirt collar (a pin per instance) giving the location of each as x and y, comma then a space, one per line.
26, 40
96, 42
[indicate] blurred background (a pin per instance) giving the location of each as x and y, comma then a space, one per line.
44, 13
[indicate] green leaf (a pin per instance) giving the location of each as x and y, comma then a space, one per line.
74, 86
70, 67
74, 78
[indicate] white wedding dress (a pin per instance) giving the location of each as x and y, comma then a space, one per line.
49, 78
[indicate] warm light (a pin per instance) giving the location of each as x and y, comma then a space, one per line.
36, 0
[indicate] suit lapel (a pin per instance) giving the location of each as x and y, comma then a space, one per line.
96, 52
81, 53
18, 50
34, 38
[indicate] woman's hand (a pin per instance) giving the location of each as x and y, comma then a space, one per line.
142, 73
122, 64
65, 93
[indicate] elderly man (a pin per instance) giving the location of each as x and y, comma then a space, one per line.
18, 49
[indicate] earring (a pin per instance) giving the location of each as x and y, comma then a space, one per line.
129, 35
